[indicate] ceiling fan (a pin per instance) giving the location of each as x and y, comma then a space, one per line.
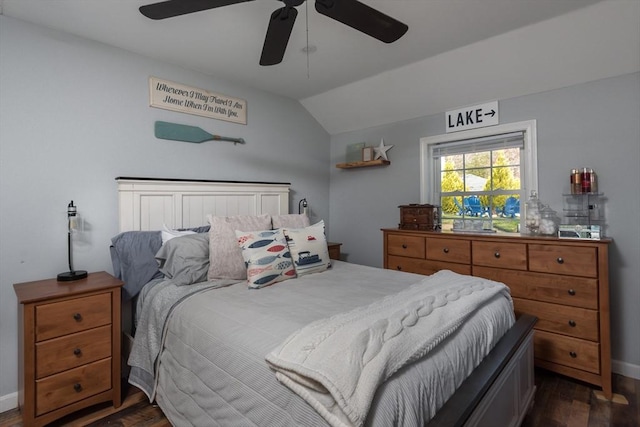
350, 12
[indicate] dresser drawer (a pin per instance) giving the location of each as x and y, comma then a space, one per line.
450, 250
571, 321
500, 254
74, 315
563, 350
575, 261
59, 354
408, 246
61, 389
566, 290
426, 267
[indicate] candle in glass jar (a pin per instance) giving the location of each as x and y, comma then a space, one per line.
586, 180
576, 181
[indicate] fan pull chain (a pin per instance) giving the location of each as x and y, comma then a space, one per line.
306, 5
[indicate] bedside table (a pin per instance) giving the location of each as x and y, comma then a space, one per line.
334, 250
69, 349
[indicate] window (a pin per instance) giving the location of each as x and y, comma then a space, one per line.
479, 177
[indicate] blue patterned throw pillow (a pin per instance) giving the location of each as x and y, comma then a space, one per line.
266, 256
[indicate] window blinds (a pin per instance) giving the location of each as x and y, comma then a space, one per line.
478, 145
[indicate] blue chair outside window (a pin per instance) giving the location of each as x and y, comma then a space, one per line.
511, 207
473, 206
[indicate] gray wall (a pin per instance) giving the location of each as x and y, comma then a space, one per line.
74, 115
594, 124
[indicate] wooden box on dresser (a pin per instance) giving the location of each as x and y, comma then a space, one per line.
69, 346
563, 282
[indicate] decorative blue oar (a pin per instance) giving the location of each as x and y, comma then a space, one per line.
176, 132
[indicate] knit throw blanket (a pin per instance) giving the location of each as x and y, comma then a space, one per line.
336, 364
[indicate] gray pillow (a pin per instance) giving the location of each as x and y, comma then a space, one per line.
185, 259
132, 255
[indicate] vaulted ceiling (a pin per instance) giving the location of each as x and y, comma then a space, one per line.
226, 42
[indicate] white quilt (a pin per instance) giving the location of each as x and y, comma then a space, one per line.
337, 364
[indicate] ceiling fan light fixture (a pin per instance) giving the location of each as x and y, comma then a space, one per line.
309, 49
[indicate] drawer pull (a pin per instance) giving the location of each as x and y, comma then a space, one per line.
77, 351
497, 255
398, 268
77, 317
404, 246
560, 260
571, 292
573, 354
572, 323
77, 387
445, 250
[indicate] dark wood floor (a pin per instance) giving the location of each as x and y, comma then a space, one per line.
559, 401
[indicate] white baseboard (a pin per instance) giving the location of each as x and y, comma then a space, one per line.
626, 369
8, 402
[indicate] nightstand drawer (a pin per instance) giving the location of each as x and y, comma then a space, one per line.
71, 386
572, 352
59, 354
74, 315
571, 321
575, 261
500, 254
450, 250
409, 246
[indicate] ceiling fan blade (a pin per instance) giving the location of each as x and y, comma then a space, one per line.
277, 38
363, 18
171, 8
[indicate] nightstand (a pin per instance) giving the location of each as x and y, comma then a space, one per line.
334, 250
69, 346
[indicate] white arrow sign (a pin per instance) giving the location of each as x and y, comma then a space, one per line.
473, 117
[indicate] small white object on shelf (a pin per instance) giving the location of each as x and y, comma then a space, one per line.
381, 150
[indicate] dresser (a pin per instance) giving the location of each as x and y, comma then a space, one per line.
563, 282
69, 346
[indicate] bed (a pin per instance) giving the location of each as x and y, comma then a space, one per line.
214, 352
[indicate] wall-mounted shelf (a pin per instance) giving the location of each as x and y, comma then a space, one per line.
351, 165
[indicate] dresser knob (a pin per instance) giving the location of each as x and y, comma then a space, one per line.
560, 260
77, 387
77, 317
571, 292
77, 351
404, 246
445, 250
572, 323
497, 255
573, 354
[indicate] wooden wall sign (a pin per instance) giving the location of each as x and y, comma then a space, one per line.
190, 100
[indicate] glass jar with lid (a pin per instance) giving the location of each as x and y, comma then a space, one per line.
549, 221
532, 217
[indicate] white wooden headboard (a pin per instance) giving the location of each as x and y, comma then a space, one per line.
148, 203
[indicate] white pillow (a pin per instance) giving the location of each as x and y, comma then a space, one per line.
168, 234
225, 256
308, 248
266, 256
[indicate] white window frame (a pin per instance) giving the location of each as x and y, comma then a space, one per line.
528, 164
